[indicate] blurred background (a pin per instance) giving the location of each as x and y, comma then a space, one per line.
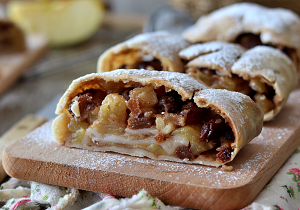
77, 32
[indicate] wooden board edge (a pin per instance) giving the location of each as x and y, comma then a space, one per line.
21, 128
129, 185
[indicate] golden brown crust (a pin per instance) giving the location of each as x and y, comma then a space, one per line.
276, 26
213, 55
163, 46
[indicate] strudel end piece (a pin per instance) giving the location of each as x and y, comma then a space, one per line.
157, 114
250, 25
265, 74
12, 38
151, 51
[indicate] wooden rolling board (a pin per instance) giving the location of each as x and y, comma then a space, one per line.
20, 129
12, 66
38, 158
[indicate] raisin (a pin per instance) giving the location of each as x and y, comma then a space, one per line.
249, 40
88, 101
159, 138
140, 122
170, 102
225, 154
134, 106
155, 64
228, 136
184, 152
192, 113
70, 110
160, 91
124, 66
212, 129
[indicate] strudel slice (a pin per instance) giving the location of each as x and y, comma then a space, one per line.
250, 25
265, 74
156, 114
151, 51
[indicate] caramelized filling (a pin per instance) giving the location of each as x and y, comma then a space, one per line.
134, 108
149, 65
259, 91
249, 40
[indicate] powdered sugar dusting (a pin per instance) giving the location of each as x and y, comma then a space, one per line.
276, 26
238, 106
272, 65
208, 47
251, 163
250, 14
213, 53
177, 79
255, 58
160, 42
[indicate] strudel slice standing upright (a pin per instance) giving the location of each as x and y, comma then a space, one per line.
250, 25
12, 38
265, 74
151, 51
157, 114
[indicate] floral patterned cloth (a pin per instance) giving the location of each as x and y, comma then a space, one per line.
33, 195
281, 193
283, 190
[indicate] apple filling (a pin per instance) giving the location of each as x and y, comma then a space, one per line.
249, 40
156, 120
259, 91
135, 59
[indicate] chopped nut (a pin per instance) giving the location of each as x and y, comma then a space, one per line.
75, 108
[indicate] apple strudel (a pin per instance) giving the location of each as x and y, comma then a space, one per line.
151, 51
250, 25
265, 74
157, 114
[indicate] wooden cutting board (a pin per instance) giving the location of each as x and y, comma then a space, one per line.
38, 158
21, 128
12, 66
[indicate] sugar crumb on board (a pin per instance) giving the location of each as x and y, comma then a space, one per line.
214, 177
